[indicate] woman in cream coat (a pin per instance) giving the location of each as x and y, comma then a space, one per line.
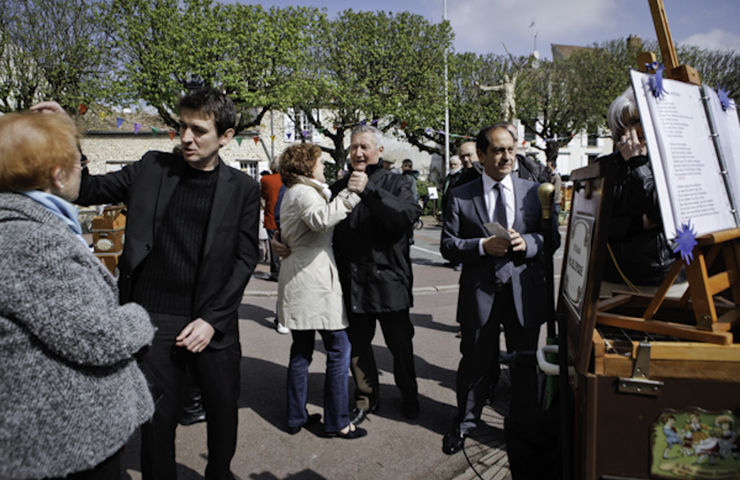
309, 293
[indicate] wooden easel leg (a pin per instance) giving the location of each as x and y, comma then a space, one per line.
732, 263
660, 295
701, 297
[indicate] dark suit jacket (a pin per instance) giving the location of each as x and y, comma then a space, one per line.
463, 228
230, 246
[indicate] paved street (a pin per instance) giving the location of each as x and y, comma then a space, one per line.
395, 447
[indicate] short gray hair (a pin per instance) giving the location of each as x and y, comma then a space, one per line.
622, 113
377, 134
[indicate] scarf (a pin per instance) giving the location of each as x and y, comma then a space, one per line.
62, 209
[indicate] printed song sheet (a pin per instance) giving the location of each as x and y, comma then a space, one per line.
683, 157
727, 126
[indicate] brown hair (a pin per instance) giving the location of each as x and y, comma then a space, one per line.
209, 102
32, 145
298, 160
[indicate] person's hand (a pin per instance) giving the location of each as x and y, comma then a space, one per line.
517, 242
357, 182
630, 144
280, 249
47, 107
496, 246
195, 336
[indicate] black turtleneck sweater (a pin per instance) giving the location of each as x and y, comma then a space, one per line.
166, 279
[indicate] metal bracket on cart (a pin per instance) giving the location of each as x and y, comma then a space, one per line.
639, 383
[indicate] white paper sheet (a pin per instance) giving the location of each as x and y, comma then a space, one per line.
683, 157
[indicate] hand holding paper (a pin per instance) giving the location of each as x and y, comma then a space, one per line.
498, 230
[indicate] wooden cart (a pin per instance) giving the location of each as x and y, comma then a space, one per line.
645, 365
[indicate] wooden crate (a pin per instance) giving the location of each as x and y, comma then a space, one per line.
108, 236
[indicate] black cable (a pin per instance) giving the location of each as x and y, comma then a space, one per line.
470, 462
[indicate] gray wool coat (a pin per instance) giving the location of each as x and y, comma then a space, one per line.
71, 393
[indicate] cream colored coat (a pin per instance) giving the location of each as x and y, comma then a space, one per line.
309, 292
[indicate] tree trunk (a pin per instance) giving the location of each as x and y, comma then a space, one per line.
551, 152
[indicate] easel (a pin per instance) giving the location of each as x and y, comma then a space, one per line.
673, 70
709, 327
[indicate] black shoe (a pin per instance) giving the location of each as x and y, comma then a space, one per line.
312, 419
192, 418
193, 412
358, 415
410, 408
452, 442
350, 435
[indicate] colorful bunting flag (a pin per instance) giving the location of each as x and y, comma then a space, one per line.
83, 108
171, 133
256, 140
119, 122
137, 127
239, 141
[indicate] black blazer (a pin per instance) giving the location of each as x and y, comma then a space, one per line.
230, 250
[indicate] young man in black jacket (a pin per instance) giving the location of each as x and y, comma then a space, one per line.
190, 248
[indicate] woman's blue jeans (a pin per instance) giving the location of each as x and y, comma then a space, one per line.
336, 396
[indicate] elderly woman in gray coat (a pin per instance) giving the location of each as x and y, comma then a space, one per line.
309, 292
71, 393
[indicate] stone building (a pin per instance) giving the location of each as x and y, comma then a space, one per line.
111, 140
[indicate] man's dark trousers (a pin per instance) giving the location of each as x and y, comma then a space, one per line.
398, 332
479, 364
274, 258
164, 365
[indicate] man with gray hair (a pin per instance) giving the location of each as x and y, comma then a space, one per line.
371, 247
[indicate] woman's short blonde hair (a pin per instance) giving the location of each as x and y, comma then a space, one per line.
298, 160
32, 145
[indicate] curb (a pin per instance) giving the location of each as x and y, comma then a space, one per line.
415, 291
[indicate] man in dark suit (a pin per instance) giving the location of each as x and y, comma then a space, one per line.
502, 281
190, 248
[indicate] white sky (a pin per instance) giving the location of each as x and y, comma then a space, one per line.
484, 26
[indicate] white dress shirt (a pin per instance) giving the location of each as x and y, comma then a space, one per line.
490, 196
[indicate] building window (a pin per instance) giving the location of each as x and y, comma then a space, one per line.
593, 140
249, 167
298, 127
529, 134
